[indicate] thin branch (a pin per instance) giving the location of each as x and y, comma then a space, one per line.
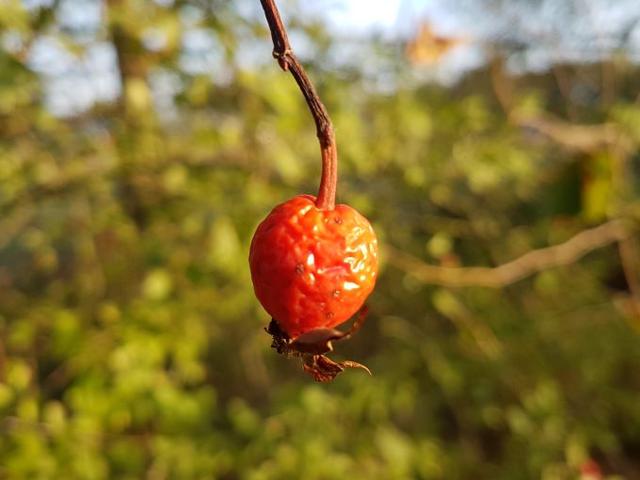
580, 138
283, 53
532, 262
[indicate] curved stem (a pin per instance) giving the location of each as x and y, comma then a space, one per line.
288, 62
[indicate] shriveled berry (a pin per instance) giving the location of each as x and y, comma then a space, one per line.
313, 268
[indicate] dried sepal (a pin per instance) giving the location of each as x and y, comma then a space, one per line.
324, 370
312, 345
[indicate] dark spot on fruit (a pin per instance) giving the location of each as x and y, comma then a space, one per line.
329, 315
338, 220
335, 293
299, 268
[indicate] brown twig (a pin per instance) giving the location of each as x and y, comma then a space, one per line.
283, 53
515, 270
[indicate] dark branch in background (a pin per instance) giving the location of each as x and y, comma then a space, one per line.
288, 62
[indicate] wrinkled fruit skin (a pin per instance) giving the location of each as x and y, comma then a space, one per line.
313, 268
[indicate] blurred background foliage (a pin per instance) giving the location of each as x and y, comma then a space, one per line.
142, 141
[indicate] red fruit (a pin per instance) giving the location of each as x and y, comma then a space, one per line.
590, 470
313, 268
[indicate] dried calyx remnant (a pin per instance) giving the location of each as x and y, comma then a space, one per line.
312, 346
313, 263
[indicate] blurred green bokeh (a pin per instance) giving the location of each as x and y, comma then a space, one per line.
131, 345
